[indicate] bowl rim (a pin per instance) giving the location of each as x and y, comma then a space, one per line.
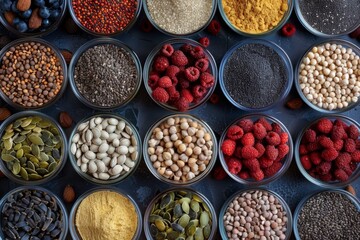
281, 23
97, 42
342, 42
62, 62
42, 189
286, 162
82, 27
279, 51
318, 182
88, 177
148, 16
177, 189
263, 189
316, 32
197, 178
62, 160
174, 41
72, 228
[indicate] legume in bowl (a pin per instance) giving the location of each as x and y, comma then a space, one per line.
255, 18
327, 77
105, 213
32, 212
180, 74
105, 74
33, 148
256, 213
33, 74
327, 151
105, 148
180, 149
180, 213
256, 149
255, 67
105, 17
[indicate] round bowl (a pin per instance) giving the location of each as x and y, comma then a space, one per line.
333, 203
63, 228
204, 160
89, 3
78, 163
317, 32
90, 45
61, 62
243, 194
17, 173
129, 200
178, 195
286, 160
284, 91
281, 23
300, 87
41, 31
177, 43
331, 183
192, 27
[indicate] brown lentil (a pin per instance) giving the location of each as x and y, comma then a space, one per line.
31, 74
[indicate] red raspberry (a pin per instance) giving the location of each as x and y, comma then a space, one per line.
265, 162
178, 58
237, 152
337, 133
305, 161
186, 48
353, 132
219, 173
349, 145
198, 91
174, 95
246, 125
243, 174
323, 168
235, 132
182, 104
205, 41
355, 156
153, 80
273, 138
288, 30
276, 128
343, 160
187, 94
259, 131
214, 98
265, 123
326, 177
207, 80
271, 152
167, 50
357, 143
161, 63
309, 136
184, 83
160, 95
302, 149
283, 150
249, 152
324, 125
311, 147
284, 138
228, 147
315, 158
146, 26
258, 175
329, 154
340, 123
248, 139
338, 144
164, 82
341, 175
192, 74
260, 148
234, 165
325, 142
252, 164
172, 71
197, 52
202, 64
214, 27
273, 169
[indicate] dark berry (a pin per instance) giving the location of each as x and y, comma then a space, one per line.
14, 8
45, 22
54, 14
6, 5
288, 30
39, 3
44, 12
26, 14
16, 21
21, 26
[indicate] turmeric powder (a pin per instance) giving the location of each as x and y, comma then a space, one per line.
255, 16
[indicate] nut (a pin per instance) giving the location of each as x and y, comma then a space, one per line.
35, 20
9, 16
23, 5
294, 103
69, 194
351, 190
67, 55
65, 120
4, 113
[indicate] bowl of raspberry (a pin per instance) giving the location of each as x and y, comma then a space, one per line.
256, 149
180, 74
327, 151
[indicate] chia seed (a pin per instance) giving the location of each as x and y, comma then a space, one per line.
331, 16
255, 76
330, 215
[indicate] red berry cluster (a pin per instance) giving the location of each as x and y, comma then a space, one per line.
330, 150
255, 149
180, 77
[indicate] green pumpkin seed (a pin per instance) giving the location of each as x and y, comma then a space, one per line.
8, 157
35, 150
8, 143
16, 124
199, 234
35, 176
27, 149
52, 166
51, 159
16, 168
20, 153
30, 127
195, 206
43, 157
185, 199
36, 119
23, 161
8, 135
190, 230
185, 207
31, 171
42, 171
160, 236
56, 154
24, 174
34, 159
17, 146
25, 132
26, 122
35, 139
184, 220
37, 129
165, 201
204, 219
177, 211
153, 217
194, 222
167, 216
160, 225
30, 165
190, 238
44, 124
43, 164
153, 230
207, 231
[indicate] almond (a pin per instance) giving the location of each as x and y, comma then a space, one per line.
65, 120
351, 190
9, 16
23, 5
294, 103
69, 194
67, 55
4, 113
35, 20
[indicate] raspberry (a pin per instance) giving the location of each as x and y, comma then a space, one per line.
198, 91
248, 139
315, 158
214, 98
323, 168
258, 175
182, 104
219, 173
341, 175
265, 123
271, 152
305, 161
283, 150
172, 71
146, 26
197, 52
160, 95
302, 149
260, 148
205, 41
276, 128
152, 81
325, 142
228, 147
192, 74
273, 138
161, 63
214, 27
309, 136
343, 160
355, 156
207, 80
324, 125
178, 58
338, 133
326, 177
246, 125
311, 147
184, 83
164, 82
173, 93
349, 145
338, 144
235, 132
288, 30
249, 152
202, 64
237, 152
340, 123
357, 143
167, 50
284, 138
186, 48
259, 131
329, 154
187, 94
265, 162
353, 132
273, 169
243, 174
234, 165
252, 164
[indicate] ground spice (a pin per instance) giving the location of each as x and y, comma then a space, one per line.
106, 215
255, 16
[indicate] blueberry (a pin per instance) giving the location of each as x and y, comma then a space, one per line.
16, 21
6, 5
26, 14
39, 3
56, 5
21, 26
51, 2
44, 12
54, 14
14, 8
45, 22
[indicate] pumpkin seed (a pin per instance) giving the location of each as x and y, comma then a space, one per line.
42, 171
177, 228
35, 139
17, 146
8, 157
24, 174
35, 176
190, 230
43, 164
52, 166
30, 127
35, 150
16, 168
31, 171
207, 231
30, 165
8, 143
195, 206
199, 234
8, 135
204, 219
37, 129
160, 236
16, 124
184, 220
44, 124
44, 157
160, 225
185, 207
20, 153
26, 122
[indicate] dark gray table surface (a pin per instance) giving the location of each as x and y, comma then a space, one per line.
143, 112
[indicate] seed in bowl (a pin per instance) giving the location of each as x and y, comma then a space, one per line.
180, 149
105, 147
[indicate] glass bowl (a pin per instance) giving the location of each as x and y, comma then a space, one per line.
97, 42
38, 32
183, 223
64, 220
281, 23
125, 197
78, 162
177, 43
253, 193
286, 160
301, 204
202, 163
176, 30
309, 176
103, 34
62, 63
34, 158
300, 88
287, 65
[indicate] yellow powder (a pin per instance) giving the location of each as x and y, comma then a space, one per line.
106, 215
255, 16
